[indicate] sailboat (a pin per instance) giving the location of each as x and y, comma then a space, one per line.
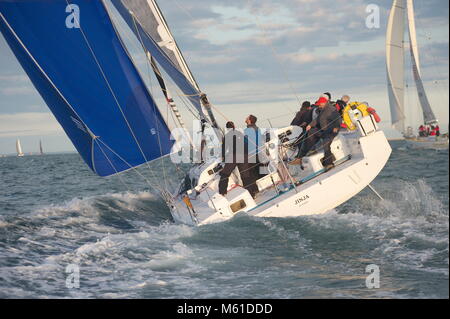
402, 12
89, 80
19, 148
41, 151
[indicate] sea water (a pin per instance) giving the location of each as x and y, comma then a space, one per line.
66, 233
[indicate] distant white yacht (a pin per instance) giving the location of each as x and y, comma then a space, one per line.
19, 149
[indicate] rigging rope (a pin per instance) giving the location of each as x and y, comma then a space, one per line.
154, 113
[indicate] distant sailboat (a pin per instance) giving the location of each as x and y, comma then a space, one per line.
395, 60
41, 152
19, 149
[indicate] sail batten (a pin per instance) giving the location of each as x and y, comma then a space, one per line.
88, 81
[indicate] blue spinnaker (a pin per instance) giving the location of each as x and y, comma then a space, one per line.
77, 62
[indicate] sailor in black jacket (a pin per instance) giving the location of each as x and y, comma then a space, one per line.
326, 126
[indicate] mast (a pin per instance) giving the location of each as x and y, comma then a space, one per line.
428, 114
395, 63
41, 152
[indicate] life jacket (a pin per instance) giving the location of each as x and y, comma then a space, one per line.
347, 118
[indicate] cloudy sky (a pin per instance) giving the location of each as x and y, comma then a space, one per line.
263, 57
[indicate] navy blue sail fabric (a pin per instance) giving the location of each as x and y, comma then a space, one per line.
88, 81
160, 56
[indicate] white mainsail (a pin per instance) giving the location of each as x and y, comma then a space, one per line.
428, 114
395, 63
19, 148
412, 35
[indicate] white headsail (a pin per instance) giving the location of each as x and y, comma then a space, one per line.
146, 15
150, 17
395, 63
428, 114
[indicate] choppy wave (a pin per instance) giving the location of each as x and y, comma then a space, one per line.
126, 246
123, 251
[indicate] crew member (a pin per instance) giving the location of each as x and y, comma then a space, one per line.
235, 154
302, 119
422, 131
255, 141
340, 106
304, 116
342, 103
325, 127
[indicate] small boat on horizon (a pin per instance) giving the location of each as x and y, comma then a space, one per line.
19, 149
41, 151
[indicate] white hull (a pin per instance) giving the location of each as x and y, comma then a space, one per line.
322, 192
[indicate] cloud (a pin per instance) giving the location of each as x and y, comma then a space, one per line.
15, 78
302, 58
215, 60
17, 90
28, 124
